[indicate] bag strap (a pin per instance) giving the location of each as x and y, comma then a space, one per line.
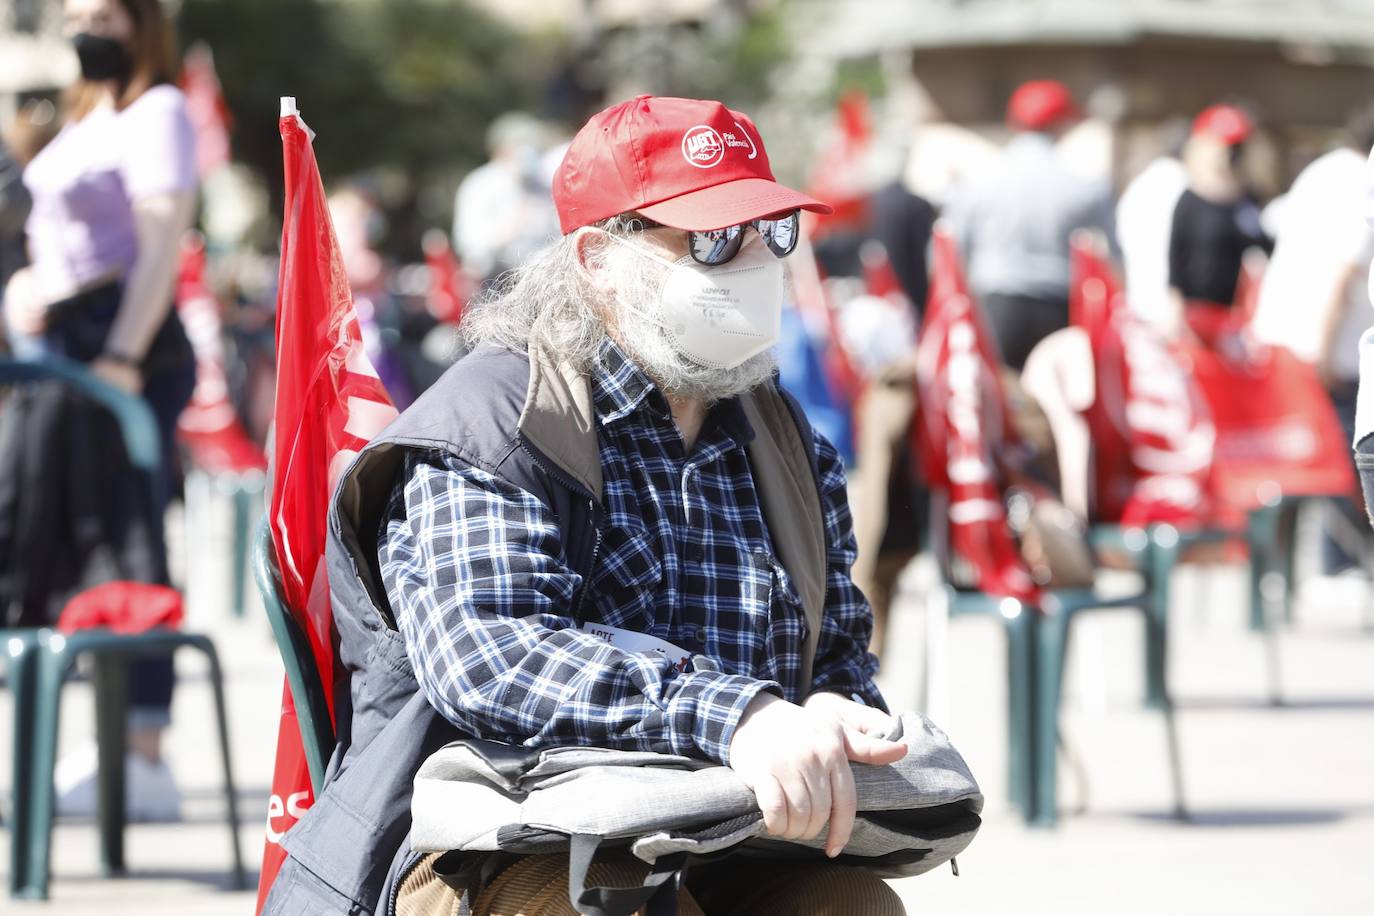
658, 893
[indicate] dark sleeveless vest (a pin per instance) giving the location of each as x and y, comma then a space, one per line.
530, 421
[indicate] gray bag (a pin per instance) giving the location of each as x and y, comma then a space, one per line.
481, 796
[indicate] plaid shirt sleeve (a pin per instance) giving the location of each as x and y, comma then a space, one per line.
843, 663
475, 573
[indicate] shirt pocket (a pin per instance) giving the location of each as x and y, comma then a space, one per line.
628, 579
783, 623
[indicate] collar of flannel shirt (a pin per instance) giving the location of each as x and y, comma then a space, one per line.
620, 389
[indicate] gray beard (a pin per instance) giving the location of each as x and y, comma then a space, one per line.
647, 345
640, 335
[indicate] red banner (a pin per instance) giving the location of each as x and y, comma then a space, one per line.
206, 109
449, 285
1277, 432
1150, 428
330, 402
963, 421
209, 427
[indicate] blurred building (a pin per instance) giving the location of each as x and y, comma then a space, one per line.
570, 14
34, 60
1301, 65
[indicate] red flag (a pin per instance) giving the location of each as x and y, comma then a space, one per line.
206, 109
1151, 432
1277, 432
449, 285
330, 402
963, 423
880, 278
209, 427
839, 173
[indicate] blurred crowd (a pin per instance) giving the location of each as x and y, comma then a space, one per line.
101, 264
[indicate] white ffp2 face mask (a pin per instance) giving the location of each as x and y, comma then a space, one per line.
721, 316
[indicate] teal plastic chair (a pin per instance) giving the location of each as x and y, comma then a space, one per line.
1037, 647
1154, 552
1157, 549
111, 653
302, 677
1270, 534
40, 661
21, 649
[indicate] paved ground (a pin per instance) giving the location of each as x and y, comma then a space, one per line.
1282, 799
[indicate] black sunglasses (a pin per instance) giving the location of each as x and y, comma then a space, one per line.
714, 247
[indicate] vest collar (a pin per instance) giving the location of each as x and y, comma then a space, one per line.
559, 421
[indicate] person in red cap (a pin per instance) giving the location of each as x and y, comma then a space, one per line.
608, 526
1216, 218
1012, 222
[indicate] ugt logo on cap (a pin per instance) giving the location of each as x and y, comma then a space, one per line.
703, 147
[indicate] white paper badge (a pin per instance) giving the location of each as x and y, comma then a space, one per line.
631, 641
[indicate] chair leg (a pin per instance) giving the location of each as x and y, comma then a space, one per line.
1260, 536
1021, 660
240, 877
243, 522
1161, 558
50, 671
1263, 538
1050, 643
111, 683
1285, 546
22, 651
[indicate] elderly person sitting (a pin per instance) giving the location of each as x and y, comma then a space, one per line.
614, 455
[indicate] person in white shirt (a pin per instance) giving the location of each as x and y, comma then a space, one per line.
1012, 222
504, 212
1314, 298
1364, 404
1144, 216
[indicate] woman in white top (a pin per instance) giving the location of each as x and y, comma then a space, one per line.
112, 195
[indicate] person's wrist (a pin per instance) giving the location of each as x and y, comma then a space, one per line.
760, 702
120, 358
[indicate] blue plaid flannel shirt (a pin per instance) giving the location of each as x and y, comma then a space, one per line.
475, 573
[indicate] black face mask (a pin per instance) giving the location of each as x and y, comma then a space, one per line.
101, 58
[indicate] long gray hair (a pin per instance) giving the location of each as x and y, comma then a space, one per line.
548, 301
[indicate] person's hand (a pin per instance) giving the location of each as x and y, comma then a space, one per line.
854, 716
121, 375
797, 762
25, 311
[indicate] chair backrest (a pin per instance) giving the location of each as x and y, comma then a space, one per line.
135, 417
302, 677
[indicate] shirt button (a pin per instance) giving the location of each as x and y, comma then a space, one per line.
701, 635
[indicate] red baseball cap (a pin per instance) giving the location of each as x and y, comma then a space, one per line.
1040, 105
1227, 123
685, 163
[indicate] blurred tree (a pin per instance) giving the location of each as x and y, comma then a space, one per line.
405, 87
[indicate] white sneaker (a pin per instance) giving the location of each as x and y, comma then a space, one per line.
74, 781
150, 792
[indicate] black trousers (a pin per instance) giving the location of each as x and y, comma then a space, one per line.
1020, 322
77, 329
